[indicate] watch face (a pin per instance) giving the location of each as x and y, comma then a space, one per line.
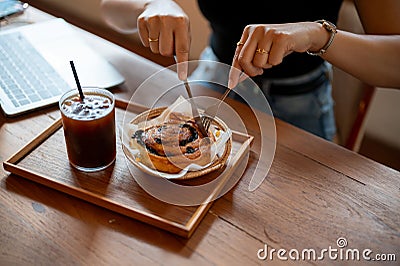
329, 26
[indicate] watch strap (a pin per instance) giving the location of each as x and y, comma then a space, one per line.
331, 28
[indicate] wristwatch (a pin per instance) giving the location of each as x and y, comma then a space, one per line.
331, 28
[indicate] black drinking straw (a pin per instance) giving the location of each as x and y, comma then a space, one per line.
77, 80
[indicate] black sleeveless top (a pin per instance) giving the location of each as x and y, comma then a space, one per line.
228, 19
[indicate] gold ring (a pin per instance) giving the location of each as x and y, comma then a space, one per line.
153, 40
262, 51
239, 43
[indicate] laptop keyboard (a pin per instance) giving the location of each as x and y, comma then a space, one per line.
25, 76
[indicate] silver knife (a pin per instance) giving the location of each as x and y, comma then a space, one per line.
195, 112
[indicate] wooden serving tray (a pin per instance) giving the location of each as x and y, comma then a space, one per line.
44, 160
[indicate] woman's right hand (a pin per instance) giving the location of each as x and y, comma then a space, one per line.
164, 27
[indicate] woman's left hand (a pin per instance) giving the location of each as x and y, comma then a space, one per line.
263, 46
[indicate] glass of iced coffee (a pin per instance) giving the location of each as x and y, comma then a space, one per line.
89, 128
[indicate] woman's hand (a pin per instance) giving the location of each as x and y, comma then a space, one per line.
164, 27
263, 46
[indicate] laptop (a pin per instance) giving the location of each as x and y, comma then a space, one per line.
35, 66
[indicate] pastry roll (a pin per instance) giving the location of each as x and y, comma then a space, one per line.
173, 144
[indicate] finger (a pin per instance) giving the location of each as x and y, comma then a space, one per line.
246, 56
154, 44
153, 27
149, 31
166, 40
235, 70
278, 51
143, 32
182, 39
234, 77
246, 63
182, 67
261, 58
263, 51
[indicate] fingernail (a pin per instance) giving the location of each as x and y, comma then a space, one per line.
182, 75
231, 84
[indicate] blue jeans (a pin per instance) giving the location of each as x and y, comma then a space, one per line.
311, 111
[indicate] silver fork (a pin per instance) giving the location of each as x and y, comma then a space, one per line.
211, 111
195, 112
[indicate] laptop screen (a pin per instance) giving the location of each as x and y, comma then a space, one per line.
36, 58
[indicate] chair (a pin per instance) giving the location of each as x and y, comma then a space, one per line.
352, 97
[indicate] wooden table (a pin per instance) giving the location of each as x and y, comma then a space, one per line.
315, 193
